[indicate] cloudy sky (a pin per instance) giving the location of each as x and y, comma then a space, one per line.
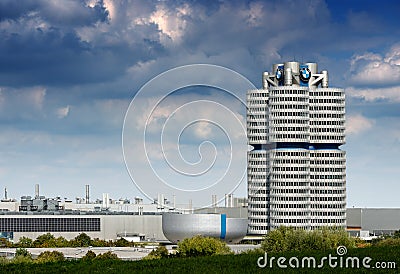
69, 70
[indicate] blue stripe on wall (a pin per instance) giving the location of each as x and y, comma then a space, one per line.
223, 226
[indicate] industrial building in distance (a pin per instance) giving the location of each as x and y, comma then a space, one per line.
109, 219
136, 221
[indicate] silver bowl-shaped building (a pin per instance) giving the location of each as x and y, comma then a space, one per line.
177, 227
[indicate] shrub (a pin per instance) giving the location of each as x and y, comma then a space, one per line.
25, 242
22, 256
122, 242
202, 246
90, 255
22, 260
50, 256
61, 242
22, 252
276, 240
253, 251
82, 240
45, 240
289, 238
158, 253
5, 242
388, 242
99, 243
107, 256
3, 261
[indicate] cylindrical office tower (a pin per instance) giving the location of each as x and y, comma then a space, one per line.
257, 116
296, 170
288, 115
327, 161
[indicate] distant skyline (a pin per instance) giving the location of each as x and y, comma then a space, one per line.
69, 69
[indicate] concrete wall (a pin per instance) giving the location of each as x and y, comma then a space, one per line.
150, 225
374, 219
10, 206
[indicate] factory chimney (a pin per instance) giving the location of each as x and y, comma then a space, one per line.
37, 191
214, 200
87, 194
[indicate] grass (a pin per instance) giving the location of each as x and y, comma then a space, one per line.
243, 263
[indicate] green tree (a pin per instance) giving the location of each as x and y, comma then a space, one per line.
22, 252
90, 255
61, 242
107, 256
122, 242
22, 256
99, 243
45, 240
25, 242
158, 253
4, 242
387, 242
50, 256
276, 240
22, 260
288, 238
202, 246
82, 240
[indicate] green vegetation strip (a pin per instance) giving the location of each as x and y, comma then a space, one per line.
243, 263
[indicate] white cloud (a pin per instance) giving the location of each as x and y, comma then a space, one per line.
171, 21
393, 56
62, 112
203, 130
27, 103
373, 94
372, 68
37, 96
110, 7
366, 56
380, 71
175, 112
101, 114
357, 123
254, 14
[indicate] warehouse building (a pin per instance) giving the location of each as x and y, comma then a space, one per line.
107, 226
374, 221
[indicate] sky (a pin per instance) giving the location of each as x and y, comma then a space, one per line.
71, 71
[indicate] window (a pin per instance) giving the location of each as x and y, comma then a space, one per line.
49, 224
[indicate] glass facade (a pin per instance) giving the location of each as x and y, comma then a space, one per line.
49, 224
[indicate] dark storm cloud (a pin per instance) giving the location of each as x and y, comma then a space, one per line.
12, 10
263, 28
66, 13
45, 43
40, 45
54, 57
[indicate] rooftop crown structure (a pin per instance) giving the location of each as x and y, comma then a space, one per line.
296, 169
